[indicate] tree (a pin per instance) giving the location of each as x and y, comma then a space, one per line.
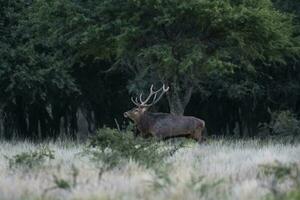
237, 58
46, 73
35, 76
178, 42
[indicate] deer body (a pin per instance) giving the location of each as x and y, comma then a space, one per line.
163, 125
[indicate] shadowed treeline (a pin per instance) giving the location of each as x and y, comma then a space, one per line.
71, 66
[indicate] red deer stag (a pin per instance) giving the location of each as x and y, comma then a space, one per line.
163, 125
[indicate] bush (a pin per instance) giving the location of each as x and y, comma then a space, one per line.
283, 124
31, 159
111, 146
279, 173
293, 195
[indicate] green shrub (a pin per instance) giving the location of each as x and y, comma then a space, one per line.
31, 159
293, 195
204, 187
111, 146
283, 124
59, 183
282, 171
279, 173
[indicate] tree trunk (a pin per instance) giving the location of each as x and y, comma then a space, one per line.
176, 106
179, 96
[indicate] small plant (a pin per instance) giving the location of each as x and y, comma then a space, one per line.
282, 171
162, 179
104, 159
283, 124
202, 186
31, 159
74, 173
111, 146
59, 183
63, 184
293, 195
279, 173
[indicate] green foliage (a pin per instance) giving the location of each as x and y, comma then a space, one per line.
200, 185
179, 41
31, 159
204, 187
290, 6
45, 76
182, 35
282, 171
283, 124
111, 146
35, 72
237, 57
293, 195
279, 173
61, 183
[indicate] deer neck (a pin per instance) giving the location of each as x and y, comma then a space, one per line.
142, 121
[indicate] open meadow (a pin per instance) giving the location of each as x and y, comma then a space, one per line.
218, 169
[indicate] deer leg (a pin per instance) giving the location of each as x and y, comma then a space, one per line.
145, 135
197, 135
136, 132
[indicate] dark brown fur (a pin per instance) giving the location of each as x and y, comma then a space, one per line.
163, 125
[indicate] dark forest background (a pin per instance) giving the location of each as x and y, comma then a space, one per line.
71, 66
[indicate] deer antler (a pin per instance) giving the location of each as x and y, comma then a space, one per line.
143, 103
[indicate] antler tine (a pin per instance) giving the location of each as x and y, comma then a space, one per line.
151, 88
155, 100
141, 98
149, 96
148, 105
164, 90
134, 101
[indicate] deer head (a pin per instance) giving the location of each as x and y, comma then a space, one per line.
143, 105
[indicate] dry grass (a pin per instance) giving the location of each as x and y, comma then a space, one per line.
218, 170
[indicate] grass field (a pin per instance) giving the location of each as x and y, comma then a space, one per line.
219, 169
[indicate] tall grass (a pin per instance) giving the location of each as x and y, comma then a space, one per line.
114, 166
